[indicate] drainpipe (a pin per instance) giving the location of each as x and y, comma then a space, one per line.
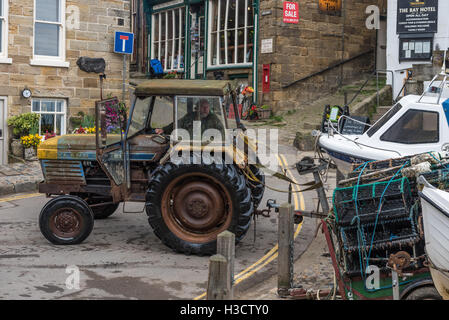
343, 9
256, 51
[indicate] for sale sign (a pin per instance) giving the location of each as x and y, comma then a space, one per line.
291, 12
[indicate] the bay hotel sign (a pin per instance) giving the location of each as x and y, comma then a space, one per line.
417, 22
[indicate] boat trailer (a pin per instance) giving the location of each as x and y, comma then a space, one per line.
402, 270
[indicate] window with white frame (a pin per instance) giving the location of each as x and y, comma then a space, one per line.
231, 32
4, 32
49, 32
53, 115
168, 38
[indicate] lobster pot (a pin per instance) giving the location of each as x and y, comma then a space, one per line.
438, 178
378, 166
377, 201
384, 235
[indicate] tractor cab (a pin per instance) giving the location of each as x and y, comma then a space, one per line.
165, 115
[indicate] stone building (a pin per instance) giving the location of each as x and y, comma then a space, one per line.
318, 54
41, 42
249, 40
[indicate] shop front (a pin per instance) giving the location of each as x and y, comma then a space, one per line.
203, 39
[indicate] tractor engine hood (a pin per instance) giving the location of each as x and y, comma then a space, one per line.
71, 147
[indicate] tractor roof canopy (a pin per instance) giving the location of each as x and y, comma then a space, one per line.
173, 87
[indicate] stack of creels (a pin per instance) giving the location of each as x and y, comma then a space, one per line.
372, 202
411, 167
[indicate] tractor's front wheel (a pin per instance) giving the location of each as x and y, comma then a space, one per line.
66, 220
188, 206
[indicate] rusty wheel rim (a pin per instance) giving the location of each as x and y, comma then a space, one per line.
66, 223
196, 208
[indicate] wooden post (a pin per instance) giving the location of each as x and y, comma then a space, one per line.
226, 248
285, 258
218, 278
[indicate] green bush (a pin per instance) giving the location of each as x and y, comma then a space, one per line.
24, 124
88, 121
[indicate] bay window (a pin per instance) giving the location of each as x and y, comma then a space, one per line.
168, 38
49, 33
231, 32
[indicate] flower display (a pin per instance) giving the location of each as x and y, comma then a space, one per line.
31, 141
82, 130
49, 135
115, 115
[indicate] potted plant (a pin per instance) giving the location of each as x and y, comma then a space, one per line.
30, 144
22, 125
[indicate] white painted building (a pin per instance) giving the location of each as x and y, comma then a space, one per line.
413, 34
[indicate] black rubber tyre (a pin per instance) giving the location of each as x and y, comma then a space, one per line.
66, 220
257, 189
424, 293
104, 212
171, 223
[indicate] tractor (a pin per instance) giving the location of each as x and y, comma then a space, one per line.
189, 201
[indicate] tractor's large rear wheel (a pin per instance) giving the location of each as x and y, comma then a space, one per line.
188, 206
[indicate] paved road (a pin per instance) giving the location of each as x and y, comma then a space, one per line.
123, 259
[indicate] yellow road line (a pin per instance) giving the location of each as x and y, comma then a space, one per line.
25, 196
272, 254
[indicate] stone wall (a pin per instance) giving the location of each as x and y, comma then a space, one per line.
314, 44
94, 38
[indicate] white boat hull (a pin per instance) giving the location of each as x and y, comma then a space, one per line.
435, 208
346, 153
347, 150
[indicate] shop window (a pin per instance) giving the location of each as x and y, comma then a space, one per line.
49, 33
168, 38
53, 115
231, 32
415, 49
4, 32
413, 127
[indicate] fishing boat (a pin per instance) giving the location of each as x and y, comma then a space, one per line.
416, 124
435, 212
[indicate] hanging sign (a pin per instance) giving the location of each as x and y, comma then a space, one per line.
417, 16
291, 12
330, 6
